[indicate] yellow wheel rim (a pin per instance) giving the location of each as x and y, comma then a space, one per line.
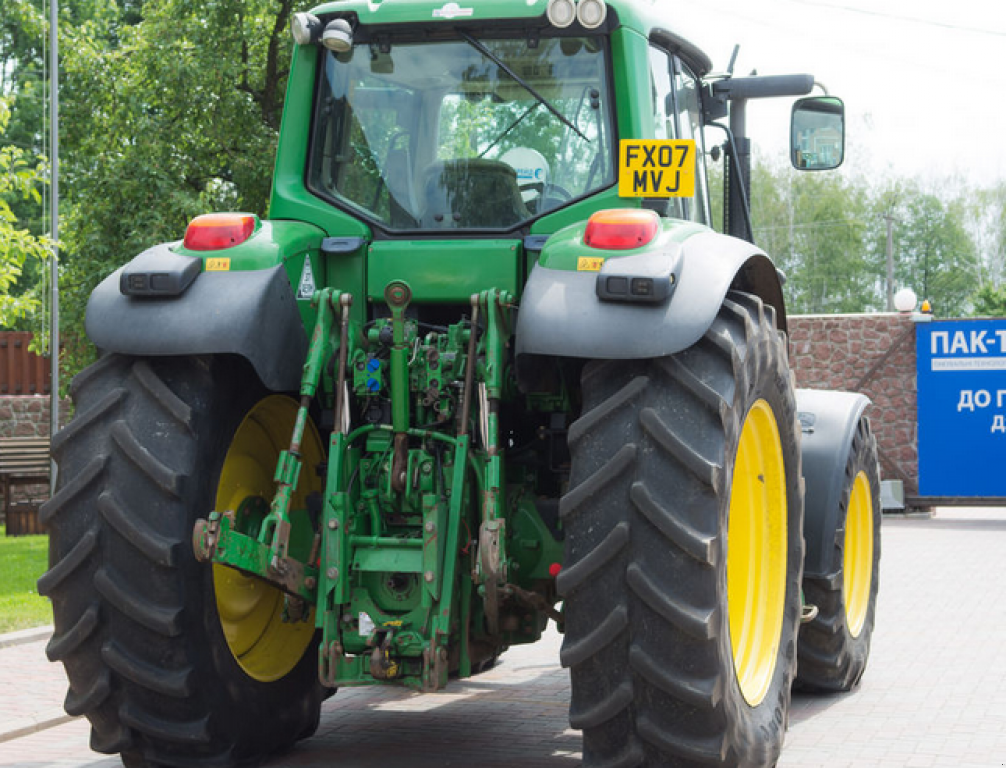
757, 552
857, 579
250, 610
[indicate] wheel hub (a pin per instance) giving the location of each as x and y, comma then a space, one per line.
757, 552
263, 640
857, 576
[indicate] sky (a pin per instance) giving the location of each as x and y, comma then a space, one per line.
924, 82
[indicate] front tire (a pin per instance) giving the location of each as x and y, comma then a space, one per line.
835, 646
684, 551
137, 624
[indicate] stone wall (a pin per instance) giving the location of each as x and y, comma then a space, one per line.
873, 354
28, 416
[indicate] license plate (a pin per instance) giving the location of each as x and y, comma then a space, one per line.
656, 168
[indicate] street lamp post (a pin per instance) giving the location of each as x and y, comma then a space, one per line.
54, 218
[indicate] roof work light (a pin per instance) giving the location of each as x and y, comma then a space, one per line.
591, 13
338, 36
305, 28
561, 13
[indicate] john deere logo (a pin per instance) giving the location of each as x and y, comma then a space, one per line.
452, 11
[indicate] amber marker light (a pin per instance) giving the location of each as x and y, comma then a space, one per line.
621, 229
216, 231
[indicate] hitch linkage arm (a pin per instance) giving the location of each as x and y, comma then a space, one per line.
266, 555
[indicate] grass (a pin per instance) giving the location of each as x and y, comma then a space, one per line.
22, 560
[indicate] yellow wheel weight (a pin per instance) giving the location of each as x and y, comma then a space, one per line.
757, 552
857, 576
251, 610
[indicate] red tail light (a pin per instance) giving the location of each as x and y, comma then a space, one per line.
216, 231
621, 229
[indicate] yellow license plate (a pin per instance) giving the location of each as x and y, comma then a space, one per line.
656, 168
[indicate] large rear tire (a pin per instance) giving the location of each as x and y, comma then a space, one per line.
835, 646
684, 551
161, 677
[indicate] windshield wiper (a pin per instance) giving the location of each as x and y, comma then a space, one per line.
519, 80
513, 125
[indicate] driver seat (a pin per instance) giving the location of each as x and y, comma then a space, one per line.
471, 194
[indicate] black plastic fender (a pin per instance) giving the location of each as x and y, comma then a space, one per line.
252, 314
561, 314
828, 420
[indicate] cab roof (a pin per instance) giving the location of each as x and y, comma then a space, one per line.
657, 20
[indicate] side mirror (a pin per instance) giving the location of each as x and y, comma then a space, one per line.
817, 133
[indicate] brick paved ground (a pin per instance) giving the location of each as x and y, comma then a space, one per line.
934, 694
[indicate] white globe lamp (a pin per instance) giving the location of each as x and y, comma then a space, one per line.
905, 300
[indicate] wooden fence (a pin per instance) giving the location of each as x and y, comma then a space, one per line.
22, 372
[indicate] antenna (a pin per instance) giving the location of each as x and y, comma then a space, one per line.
733, 60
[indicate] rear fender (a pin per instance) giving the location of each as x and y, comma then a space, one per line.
251, 314
828, 420
248, 310
561, 314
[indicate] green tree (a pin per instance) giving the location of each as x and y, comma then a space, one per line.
989, 301
20, 178
934, 253
164, 119
813, 225
986, 213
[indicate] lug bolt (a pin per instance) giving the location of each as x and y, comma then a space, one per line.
332, 573
333, 524
428, 576
429, 526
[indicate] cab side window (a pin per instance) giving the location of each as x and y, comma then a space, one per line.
665, 124
689, 119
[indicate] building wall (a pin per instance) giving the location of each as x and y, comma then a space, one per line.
873, 354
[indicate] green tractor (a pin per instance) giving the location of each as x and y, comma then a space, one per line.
485, 366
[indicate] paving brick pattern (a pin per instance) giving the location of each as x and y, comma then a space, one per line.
934, 694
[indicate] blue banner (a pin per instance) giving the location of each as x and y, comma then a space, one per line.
961, 379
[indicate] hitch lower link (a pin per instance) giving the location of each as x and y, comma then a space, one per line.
266, 555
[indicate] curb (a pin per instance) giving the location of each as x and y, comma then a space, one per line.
23, 636
25, 726
38, 721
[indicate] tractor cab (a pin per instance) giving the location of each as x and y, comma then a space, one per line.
423, 136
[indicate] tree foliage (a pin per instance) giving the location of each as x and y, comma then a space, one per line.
20, 250
166, 118
828, 233
934, 253
814, 227
990, 301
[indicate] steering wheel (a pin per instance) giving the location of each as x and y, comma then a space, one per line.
554, 194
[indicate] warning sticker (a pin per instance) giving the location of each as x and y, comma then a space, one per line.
656, 168
589, 264
218, 264
306, 289
366, 624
